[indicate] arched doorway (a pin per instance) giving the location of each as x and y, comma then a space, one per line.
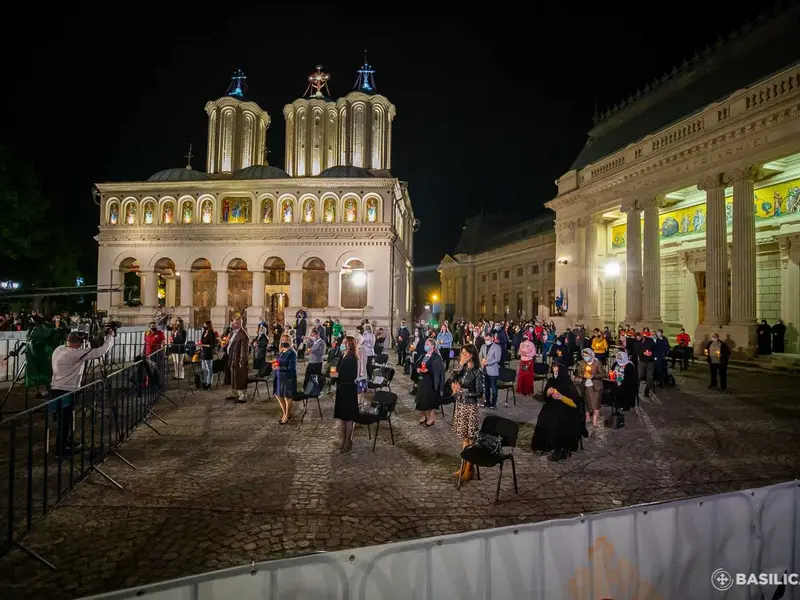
205, 290
240, 287
354, 284
277, 288
168, 282
315, 284
131, 282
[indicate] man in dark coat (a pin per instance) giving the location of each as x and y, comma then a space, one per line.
717, 354
645, 352
403, 337
778, 336
764, 338
238, 348
300, 328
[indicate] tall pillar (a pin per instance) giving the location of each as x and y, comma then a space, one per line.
333, 289
472, 299
371, 290
633, 251
717, 310
743, 253
187, 288
170, 291
150, 288
116, 280
255, 312
258, 288
296, 288
790, 288
590, 263
651, 271
222, 288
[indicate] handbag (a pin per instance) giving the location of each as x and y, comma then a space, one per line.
488, 442
362, 386
312, 388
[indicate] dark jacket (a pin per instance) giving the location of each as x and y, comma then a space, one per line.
435, 366
471, 382
662, 348
209, 342
645, 349
178, 345
403, 337
724, 353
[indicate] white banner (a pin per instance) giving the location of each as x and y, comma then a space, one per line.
665, 551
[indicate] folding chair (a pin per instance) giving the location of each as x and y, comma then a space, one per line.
262, 376
383, 380
385, 402
508, 431
312, 392
506, 381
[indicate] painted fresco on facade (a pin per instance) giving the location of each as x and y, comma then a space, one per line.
769, 202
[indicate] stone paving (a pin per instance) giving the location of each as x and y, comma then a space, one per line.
225, 484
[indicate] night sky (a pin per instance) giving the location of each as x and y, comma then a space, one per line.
491, 108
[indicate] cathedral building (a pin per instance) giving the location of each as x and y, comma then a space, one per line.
331, 234
682, 209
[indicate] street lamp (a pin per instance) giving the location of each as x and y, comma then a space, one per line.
612, 271
434, 298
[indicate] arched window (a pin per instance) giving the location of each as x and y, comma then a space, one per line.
315, 284
130, 213
266, 210
351, 210
113, 213
329, 210
204, 292
309, 210
168, 213
287, 211
372, 210
149, 210
207, 211
187, 212
236, 210
354, 284
129, 268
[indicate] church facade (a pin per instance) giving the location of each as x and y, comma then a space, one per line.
683, 208
332, 234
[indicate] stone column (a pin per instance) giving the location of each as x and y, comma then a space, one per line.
258, 288
150, 288
743, 253
633, 251
651, 271
790, 284
333, 289
222, 288
371, 289
117, 279
187, 288
170, 291
590, 262
717, 310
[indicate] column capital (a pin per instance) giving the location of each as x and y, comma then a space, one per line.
597, 219
751, 174
710, 182
566, 231
658, 201
631, 206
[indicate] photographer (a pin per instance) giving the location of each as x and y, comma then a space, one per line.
67, 365
177, 347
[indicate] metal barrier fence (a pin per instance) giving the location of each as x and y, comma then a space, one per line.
49, 449
688, 550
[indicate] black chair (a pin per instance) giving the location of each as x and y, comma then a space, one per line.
333, 363
386, 374
506, 381
541, 370
306, 398
444, 401
381, 360
262, 376
480, 457
385, 402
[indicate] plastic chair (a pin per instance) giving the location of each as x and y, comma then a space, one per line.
508, 431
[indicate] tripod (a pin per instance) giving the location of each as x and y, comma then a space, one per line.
19, 349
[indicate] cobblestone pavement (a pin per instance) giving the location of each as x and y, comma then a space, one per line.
225, 484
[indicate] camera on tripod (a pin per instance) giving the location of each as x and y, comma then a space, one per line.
94, 327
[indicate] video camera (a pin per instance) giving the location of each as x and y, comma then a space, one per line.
95, 326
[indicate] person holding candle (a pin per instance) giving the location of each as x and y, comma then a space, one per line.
717, 353
285, 369
430, 385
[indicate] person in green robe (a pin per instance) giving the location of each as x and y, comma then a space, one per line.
41, 342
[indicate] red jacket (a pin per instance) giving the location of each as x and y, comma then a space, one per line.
683, 339
153, 341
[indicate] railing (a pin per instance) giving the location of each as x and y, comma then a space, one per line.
669, 550
47, 450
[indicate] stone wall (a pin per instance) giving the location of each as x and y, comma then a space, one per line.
768, 283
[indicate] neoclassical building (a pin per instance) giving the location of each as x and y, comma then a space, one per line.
333, 233
683, 208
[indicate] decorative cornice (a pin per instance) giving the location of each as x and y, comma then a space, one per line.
251, 185
597, 219
752, 173
658, 201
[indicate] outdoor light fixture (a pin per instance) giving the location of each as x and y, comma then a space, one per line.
359, 278
427, 307
562, 261
611, 269
435, 297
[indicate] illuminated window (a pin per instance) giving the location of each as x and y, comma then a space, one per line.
350, 210
113, 213
372, 210
330, 210
130, 213
149, 210
309, 210
236, 210
206, 211
287, 211
266, 210
168, 213
187, 212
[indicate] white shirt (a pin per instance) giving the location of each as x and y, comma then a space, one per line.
68, 364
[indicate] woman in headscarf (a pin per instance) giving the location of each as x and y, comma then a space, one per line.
430, 385
561, 353
527, 353
627, 380
591, 373
560, 423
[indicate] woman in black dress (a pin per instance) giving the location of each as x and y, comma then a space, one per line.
560, 423
764, 335
430, 385
260, 343
778, 335
345, 407
627, 380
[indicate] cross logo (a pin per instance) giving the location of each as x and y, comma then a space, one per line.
721, 580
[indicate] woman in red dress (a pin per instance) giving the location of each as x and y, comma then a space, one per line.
527, 354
